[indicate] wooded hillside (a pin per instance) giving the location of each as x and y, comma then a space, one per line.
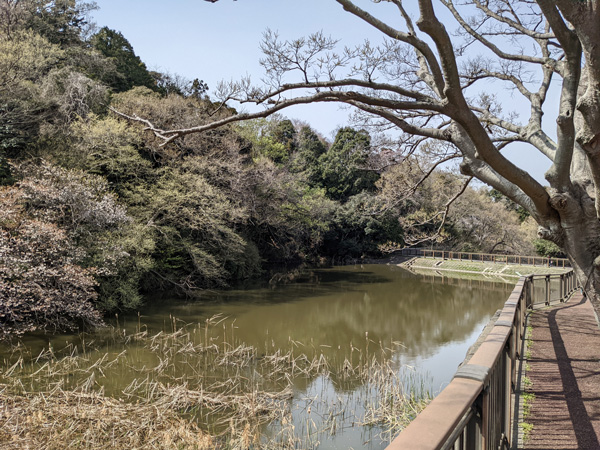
94, 211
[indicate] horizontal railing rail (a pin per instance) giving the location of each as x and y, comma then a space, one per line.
474, 411
488, 257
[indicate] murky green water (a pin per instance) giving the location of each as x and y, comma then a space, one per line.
423, 324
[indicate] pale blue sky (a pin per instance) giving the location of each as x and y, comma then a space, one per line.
220, 41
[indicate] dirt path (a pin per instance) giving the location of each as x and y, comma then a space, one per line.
565, 375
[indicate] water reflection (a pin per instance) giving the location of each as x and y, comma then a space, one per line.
345, 313
338, 311
332, 310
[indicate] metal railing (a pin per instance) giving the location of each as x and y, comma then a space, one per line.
474, 411
494, 283
488, 257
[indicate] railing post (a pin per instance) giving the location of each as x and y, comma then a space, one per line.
508, 383
514, 344
523, 309
473, 434
547, 290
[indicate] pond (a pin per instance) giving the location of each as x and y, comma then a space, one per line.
325, 356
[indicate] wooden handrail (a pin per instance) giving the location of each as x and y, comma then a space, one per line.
474, 411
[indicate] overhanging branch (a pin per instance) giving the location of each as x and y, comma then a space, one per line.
352, 98
349, 82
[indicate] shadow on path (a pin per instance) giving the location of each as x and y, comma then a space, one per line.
582, 425
565, 376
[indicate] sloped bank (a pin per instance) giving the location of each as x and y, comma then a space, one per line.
478, 267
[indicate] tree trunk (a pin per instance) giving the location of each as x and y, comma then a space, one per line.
577, 233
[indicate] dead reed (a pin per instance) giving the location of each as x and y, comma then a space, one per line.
69, 419
196, 387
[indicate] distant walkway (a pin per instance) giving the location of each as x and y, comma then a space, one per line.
565, 375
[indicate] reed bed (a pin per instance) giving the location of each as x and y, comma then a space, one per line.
78, 420
196, 387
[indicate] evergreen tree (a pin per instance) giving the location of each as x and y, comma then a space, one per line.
133, 71
285, 134
309, 149
62, 22
343, 171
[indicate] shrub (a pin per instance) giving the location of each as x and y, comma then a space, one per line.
41, 285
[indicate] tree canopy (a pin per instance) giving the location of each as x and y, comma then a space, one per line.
343, 168
132, 70
99, 204
434, 85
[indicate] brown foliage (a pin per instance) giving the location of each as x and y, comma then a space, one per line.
40, 285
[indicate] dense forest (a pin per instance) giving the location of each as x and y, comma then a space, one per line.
94, 211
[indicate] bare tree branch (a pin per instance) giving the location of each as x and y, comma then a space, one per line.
268, 96
409, 38
444, 215
513, 23
489, 44
349, 97
433, 133
408, 194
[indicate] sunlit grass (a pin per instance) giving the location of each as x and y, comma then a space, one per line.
484, 268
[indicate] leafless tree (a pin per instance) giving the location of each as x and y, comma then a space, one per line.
430, 84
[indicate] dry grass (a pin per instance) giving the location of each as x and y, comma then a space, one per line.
398, 399
76, 420
192, 388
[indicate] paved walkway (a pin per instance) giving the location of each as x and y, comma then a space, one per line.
565, 375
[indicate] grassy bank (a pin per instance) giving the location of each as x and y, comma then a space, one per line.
480, 268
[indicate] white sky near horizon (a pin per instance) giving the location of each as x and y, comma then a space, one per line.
221, 41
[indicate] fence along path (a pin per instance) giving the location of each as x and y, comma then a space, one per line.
474, 411
488, 257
